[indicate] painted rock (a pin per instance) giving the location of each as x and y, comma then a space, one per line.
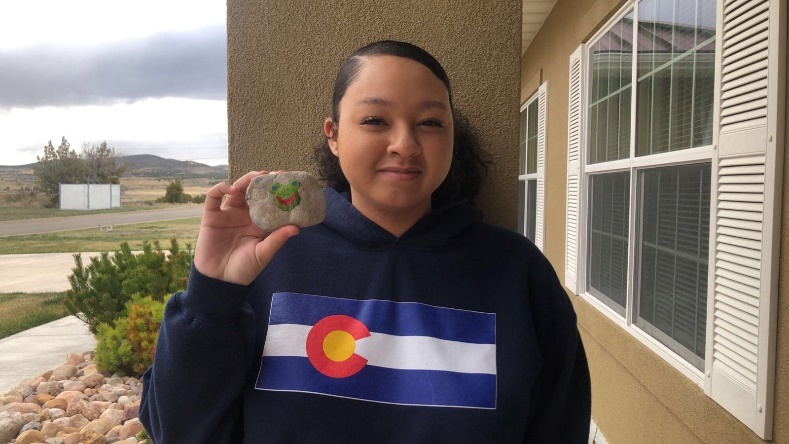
289, 198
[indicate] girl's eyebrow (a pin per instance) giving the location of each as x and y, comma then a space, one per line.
427, 104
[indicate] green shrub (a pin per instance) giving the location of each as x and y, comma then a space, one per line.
200, 198
174, 193
101, 290
128, 347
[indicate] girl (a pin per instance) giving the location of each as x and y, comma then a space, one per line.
401, 318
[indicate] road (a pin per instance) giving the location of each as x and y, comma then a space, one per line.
66, 223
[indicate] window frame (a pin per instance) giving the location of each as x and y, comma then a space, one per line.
539, 96
634, 165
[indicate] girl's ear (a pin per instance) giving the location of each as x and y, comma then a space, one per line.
329, 130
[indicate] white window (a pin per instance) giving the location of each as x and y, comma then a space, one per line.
531, 178
673, 173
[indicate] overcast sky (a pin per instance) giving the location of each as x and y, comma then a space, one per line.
149, 77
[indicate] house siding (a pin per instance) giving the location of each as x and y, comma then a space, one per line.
636, 395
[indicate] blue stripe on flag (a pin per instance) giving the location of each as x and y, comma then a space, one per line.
394, 318
408, 387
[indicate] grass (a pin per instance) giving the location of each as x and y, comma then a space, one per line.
91, 239
21, 311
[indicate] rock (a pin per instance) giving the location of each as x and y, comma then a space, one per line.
94, 409
78, 386
100, 426
131, 410
10, 425
75, 360
71, 395
50, 429
78, 421
131, 428
88, 436
52, 388
57, 403
56, 413
72, 438
30, 437
32, 399
62, 372
46, 375
21, 407
9, 398
290, 198
76, 406
54, 440
115, 417
35, 425
44, 398
93, 379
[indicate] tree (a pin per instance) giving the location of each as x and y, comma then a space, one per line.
61, 165
102, 163
174, 193
96, 164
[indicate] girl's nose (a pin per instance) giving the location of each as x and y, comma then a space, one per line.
404, 143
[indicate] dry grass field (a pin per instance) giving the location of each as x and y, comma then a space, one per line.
16, 186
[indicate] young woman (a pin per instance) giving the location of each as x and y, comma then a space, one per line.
401, 318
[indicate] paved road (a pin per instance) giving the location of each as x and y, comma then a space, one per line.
66, 223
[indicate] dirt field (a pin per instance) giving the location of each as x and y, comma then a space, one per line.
16, 186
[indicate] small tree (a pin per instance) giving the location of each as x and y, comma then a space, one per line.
102, 163
174, 193
61, 165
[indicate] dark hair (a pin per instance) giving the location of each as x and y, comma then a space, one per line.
469, 162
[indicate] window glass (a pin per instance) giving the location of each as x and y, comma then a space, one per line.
672, 293
531, 214
531, 138
610, 93
676, 73
610, 207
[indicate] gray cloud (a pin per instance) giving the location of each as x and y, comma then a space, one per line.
189, 64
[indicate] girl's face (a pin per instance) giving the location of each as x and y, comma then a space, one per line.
394, 137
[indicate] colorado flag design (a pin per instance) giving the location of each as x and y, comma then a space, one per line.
380, 351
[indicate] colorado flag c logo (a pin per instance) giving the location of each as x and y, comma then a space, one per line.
331, 344
405, 353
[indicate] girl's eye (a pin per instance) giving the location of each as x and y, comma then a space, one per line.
433, 122
373, 120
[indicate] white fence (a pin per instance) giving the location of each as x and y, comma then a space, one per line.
84, 196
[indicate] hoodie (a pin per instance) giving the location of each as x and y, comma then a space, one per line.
457, 331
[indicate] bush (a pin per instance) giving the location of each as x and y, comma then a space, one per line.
200, 198
101, 290
128, 347
174, 193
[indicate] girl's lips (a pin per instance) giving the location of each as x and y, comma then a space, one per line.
401, 173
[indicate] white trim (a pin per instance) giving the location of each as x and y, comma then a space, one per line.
539, 218
672, 358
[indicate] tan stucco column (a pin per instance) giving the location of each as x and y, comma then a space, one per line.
283, 56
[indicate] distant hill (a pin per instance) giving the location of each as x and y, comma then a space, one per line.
149, 165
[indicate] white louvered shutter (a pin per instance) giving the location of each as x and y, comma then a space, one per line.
542, 109
740, 363
574, 143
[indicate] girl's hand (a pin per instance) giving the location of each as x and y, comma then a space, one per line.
230, 247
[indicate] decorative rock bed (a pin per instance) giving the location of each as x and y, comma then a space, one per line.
73, 403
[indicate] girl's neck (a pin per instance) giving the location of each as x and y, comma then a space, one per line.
395, 222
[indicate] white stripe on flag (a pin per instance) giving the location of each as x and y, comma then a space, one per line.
388, 351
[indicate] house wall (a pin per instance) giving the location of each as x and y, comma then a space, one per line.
636, 395
283, 57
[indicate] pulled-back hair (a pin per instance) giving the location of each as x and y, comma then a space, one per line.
469, 162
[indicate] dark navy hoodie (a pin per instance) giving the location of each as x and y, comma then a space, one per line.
450, 275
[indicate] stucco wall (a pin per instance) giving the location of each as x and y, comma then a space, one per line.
283, 56
637, 396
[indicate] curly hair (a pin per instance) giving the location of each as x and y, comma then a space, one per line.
469, 161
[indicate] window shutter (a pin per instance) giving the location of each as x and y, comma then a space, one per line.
740, 365
575, 138
542, 97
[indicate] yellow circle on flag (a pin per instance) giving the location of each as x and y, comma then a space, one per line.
339, 345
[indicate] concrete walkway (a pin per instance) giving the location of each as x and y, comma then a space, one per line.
32, 352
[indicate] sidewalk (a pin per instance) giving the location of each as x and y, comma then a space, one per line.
32, 352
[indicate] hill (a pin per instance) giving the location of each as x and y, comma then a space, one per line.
147, 165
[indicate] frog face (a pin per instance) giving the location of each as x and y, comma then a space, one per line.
286, 196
